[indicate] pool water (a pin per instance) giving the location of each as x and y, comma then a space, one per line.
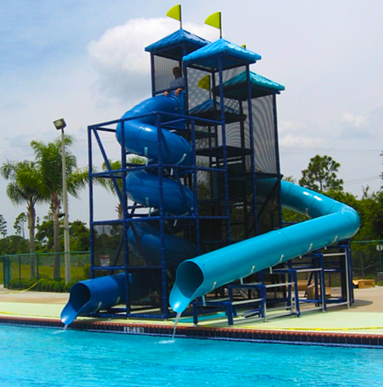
50, 357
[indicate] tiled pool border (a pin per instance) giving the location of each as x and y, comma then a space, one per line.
234, 334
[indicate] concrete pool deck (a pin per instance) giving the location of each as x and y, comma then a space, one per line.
360, 324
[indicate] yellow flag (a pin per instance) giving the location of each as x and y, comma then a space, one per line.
204, 82
214, 20
175, 12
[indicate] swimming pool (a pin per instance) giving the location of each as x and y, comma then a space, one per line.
50, 357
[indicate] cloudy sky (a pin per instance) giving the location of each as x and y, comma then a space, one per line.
84, 60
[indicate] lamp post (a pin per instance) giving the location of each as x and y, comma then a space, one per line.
60, 125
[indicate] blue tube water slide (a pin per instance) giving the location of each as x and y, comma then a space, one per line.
140, 134
142, 186
92, 295
331, 222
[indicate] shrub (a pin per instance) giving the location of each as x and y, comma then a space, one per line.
86, 269
23, 283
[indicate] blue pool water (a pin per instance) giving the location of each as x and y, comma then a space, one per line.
49, 357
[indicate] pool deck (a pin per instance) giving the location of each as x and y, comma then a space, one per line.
358, 325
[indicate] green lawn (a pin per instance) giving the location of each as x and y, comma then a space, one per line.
23, 271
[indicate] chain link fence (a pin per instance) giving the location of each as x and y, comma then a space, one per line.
42, 271
45, 271
367, 259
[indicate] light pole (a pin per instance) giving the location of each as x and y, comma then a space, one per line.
60, 125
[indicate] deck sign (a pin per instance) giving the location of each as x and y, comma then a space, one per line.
104, 260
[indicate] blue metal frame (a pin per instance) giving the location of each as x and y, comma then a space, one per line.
230, 306
253, 171
131, 219
278, 159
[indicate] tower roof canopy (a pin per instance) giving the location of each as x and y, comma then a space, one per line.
229, 53
177, 44
236, 87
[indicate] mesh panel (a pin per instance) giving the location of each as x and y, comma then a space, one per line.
163, 73
267, 208
238, 142
108, 247
264, 135
197, 95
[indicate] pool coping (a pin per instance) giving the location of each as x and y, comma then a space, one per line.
198, 332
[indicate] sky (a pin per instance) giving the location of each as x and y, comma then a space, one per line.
84, 60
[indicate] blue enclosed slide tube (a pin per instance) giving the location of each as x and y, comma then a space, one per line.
92, 295
141, 137
331, 222
142, 186
141, 134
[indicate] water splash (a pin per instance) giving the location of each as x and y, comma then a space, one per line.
166, 342
61, 331
175, 325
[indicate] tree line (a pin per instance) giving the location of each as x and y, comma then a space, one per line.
40, 180
32, 182
321, 175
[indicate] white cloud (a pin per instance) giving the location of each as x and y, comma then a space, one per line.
119, 58
363, 126
301, 141
295, 134
356, 122
291, 127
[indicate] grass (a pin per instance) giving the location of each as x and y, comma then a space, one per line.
23, 271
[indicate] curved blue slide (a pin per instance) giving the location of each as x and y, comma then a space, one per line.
140, 136
333, 221
101, 293
142, 186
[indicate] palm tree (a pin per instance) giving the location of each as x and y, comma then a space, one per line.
3, 226
108, 183
49, 160
24, 187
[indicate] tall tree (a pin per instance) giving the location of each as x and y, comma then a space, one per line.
289, 216
44, 234
376, 217
3, 226
321, 175
25, 188
14, 244
49, 159
108, 183
19, 224
381, 175
79, 240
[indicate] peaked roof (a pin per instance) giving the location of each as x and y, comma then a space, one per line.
231, 54
236, 87
172, 45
